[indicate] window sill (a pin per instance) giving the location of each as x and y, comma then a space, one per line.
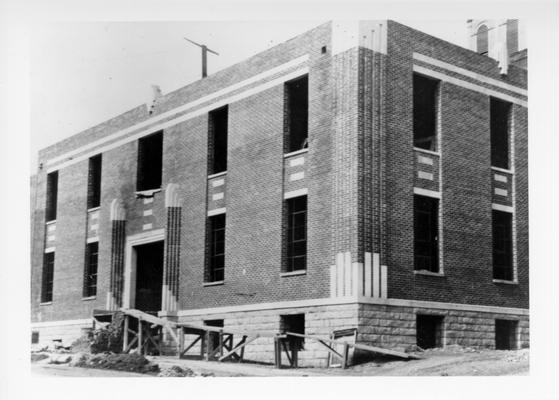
92, 209
505, 282
52, 221
46, 303
296, 152
506, 171
294, 273
435, 153
146, 193
217, 175
216, 283
428, 273
89, 298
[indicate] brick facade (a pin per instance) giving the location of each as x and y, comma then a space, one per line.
358, 173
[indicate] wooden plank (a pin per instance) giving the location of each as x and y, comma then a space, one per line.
240, 346
181, 341
125, 339
330, 349
345, 354
191, 345
140, 334
131, 344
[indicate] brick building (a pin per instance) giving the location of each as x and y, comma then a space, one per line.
361, 175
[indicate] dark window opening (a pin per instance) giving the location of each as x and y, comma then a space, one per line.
214, 336
90, 271
505, 334
94, 182
34, 337
296, 234
425, 112
294, 323
218, 121
52, 195
502, 245
215, 271
150, 162
149, 276
429, 331
500, 116
426, 233
48, 277
296, 114
323, 50
482, 40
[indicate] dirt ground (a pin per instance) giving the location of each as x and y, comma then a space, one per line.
436, 362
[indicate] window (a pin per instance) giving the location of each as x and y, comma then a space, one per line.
214, 336
505, 334
296, 234
48, 277
218, 121
52, 195
94, 182
429, 331
425, 112
482, 40
499, 127
216, 249
90, 271
426, 233
502, 245
150, 158
296, 114
34, 337
294, 323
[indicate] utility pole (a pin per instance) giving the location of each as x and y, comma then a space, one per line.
204, 56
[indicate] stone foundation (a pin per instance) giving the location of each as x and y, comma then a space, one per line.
66, 331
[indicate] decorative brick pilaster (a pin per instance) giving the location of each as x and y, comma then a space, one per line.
171, 263
118, 237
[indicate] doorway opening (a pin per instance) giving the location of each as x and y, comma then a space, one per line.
429, 333
149, 277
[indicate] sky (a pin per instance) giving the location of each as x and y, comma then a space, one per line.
82, 74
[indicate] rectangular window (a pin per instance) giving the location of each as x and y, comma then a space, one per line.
502, 246
48, 277
52, 195
294, 323
429, 331
34, 337
505, 334
425, 92
94, 182
90, 271
426, 233
150, 162
216, 249
296, 234
296, 114
218, 126
500, 128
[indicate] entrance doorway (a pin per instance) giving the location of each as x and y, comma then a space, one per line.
149, 276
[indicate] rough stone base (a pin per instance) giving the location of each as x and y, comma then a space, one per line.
60, 330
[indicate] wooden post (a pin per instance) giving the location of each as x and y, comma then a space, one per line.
140, 338
345, 356
277, 351
180, 331
220, 343
294, 358
206, 344
125, 339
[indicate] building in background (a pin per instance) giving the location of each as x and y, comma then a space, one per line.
361, 175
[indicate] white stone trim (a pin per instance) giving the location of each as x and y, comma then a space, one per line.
51, 228
216, 211
145, 227
148, 200
506, 171
500, 178
147, 213
70, 156
468, 85
426, 192
296, 152
50, 249
297, 161
217, 196
217, 174
297, 176
470, 74
218, 182
425, 175
424, 160
92, 239
435, 153
51, 238
296, 193
67, 322
353, 300
500, 207
501, 192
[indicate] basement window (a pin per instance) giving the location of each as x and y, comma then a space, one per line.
296, 122
214, 336
215, 253
296, 234
500, 132
425, 93
502, 246
90, 270
150, 162
429, 331
52, 196
218, 125
294, 323
34, 337
48, 277
94, 182
505, 334
426, 233
482, 40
